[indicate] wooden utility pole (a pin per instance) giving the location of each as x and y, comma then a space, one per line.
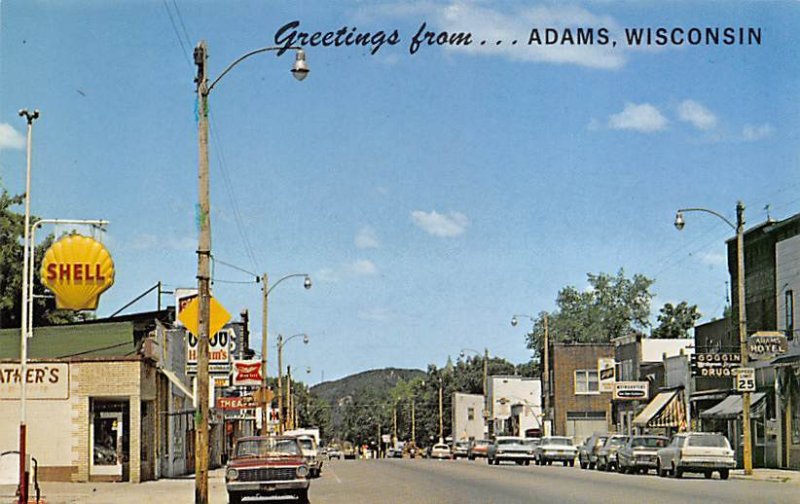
280, 384
747, 449
203, 278
441, 412
289, 405
413, 423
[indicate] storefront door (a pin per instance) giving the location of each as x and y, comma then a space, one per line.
108, 438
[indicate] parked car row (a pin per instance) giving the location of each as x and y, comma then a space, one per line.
699, 452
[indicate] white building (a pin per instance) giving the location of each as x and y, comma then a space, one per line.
515, 405
468, 416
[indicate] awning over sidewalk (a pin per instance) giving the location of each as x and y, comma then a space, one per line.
731, 407
665, 410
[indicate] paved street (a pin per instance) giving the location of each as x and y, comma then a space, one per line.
427, 481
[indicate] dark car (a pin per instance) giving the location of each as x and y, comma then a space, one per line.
640, 454
267, 467
607, 454
587, 452
461, 449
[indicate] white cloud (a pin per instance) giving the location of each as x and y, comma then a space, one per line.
367, 238
362, 267
10, 138
696, 114
753, 133
713, 258
644, 118
436, 224
489, 25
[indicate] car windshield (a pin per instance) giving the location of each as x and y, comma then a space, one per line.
307, 444
559, 441
653, 442
440, 447
462, 444
267, 447
532, 442
713, 441
615, 441
509, 441
482, 442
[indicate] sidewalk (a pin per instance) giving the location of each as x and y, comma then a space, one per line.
176, 491
772, 475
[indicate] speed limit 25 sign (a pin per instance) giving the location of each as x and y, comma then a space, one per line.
745, 380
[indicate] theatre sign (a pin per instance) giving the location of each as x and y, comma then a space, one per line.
45, 381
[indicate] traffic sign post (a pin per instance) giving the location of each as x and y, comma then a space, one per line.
745, 380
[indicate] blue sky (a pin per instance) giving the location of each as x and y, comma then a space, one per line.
430, 196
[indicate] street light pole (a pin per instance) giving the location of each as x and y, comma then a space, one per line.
441, 423
266, 289
280, 345
27, 256
747, 455
545, 370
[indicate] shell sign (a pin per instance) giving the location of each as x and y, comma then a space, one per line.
77, 269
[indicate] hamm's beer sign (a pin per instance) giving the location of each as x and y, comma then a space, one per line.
77, 269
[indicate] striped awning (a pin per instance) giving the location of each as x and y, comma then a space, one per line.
665, 410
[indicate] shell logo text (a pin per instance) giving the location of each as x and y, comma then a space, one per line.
77, 269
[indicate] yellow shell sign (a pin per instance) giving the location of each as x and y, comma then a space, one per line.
77, 269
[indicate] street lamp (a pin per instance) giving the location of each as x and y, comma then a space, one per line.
279, 346
299, 71
266, 289
739, 229
545, 374
23, 344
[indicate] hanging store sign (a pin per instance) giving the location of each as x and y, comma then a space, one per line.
715, 364
77, 269
766, 345
219, 353
631, 391
605, 372
44, 381
247, 373
236, 403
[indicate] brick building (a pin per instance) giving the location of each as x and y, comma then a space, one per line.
578, 407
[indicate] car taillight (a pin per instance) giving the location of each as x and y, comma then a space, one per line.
302, 471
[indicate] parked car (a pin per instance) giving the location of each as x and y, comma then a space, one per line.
348, 450
461, 449
701, 452
509, 448
587, 451
308, 446
554, 448
334, 452
607, 454
480, 448
395, 452
440, 451
640, 454
533, 442
267, 467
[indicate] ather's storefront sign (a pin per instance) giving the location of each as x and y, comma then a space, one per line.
77, 269
45, 381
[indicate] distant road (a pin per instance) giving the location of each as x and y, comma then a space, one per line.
430, 481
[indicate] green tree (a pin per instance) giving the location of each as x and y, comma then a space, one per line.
674, 321
612, 306
12, 225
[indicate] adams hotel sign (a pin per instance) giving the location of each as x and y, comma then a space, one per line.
45, 380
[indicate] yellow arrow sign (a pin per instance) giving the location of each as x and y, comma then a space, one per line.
219, 316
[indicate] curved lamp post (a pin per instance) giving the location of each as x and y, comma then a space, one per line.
747, 456
266, 289
545, 374
280, 344
300, 71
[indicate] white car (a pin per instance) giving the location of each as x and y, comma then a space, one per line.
440, 451
556, 448
702, 452
308, 446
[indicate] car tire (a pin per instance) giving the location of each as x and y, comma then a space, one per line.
724, 473
708, 474
527, 462
234, 498
549, 462
660, 470
592, 465
488, 461
621, 469
572, 463
584, 465
471, 457
302, 497
676, 472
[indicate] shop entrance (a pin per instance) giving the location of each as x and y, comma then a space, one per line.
108, 433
